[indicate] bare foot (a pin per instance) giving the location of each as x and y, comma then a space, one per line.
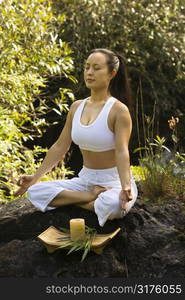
97, 189
88, 206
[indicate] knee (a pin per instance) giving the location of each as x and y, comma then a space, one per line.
31, 189
35, 190
109, 200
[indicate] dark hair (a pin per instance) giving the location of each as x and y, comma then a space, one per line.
119, 85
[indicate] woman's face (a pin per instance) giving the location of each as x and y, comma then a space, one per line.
96, 73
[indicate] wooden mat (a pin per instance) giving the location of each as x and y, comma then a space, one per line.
50, 237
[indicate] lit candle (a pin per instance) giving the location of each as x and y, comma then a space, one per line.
77, 229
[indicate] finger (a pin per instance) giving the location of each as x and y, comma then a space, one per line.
123, 204
123, 207
19, 181
129, 195
19, 192
123, 212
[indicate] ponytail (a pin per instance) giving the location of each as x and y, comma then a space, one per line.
119, 85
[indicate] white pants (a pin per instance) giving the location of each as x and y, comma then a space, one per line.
107, 204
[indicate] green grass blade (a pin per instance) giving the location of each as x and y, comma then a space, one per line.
66, 238
72, 249
64, 230
65, 245
84, 254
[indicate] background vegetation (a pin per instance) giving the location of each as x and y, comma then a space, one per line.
150, 34
32, 54
43, 46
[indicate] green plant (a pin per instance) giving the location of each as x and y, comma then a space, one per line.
32, 55
163, 173
162, 168
138, 173
150, 34
77, 245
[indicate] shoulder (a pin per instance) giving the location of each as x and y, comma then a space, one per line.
122, 118
120, 110
121, 107
74, 106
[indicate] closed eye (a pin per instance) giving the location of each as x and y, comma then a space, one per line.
95, 68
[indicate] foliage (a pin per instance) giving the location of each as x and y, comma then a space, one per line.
138, 173
77, 245
150, 34
162, 171
31, 55
40, 38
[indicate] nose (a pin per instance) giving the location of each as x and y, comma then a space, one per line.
89, 71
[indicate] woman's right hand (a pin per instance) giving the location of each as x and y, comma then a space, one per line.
24, 182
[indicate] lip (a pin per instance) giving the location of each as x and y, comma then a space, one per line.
90, 80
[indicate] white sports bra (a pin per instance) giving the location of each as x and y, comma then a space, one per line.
96, 136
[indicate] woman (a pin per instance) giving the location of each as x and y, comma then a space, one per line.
101, 126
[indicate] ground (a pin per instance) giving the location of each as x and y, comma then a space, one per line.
150, 244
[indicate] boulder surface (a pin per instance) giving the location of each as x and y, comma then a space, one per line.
151, 243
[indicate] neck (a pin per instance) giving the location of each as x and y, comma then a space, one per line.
100, 96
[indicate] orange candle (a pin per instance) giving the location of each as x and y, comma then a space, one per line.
77, 229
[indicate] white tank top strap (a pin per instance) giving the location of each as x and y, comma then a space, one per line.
107, 107
80, 108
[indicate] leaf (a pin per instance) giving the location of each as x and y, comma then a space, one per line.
64, 229
140, 148
65, 245
159, 139
57, 111
153, 144
167, 149
67, 238
175, 138
72, 249
85, 254
79, 247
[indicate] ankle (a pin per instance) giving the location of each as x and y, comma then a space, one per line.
97, 190
95, 194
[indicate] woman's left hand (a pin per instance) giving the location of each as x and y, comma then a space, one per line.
125, 196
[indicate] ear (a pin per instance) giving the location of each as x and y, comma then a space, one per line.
113, 74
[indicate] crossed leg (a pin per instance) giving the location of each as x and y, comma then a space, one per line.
84, 199
90, 205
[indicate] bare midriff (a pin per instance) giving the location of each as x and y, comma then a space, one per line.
99, 160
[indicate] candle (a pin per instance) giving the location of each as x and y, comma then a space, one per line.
77, 229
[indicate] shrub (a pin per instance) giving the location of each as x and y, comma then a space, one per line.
150, 34
162, 172
32, 54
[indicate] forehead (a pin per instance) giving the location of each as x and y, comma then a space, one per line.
97, 58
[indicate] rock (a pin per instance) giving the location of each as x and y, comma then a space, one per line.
150, 244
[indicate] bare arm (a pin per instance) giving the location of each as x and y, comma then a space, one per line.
57, 151
55, 154
123, 128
